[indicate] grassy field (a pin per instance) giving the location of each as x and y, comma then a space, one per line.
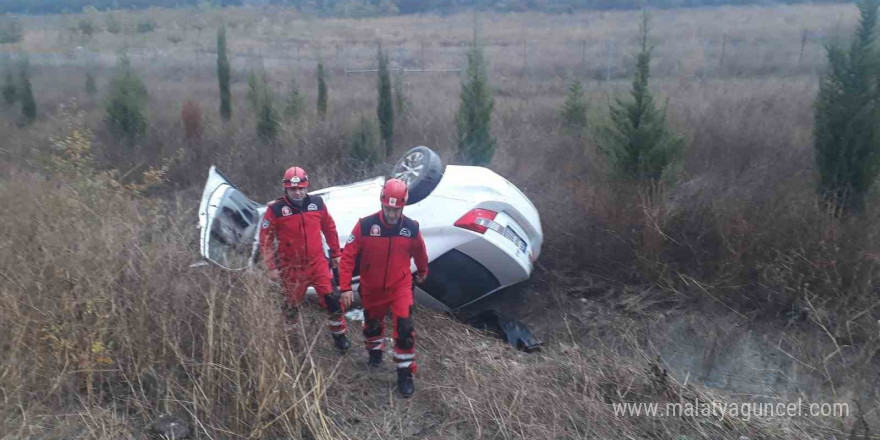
108, 328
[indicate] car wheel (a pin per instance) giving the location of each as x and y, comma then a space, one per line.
421, 169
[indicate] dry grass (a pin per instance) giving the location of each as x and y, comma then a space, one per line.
740, 229
105, 326
472, 386
108, 328
756, 40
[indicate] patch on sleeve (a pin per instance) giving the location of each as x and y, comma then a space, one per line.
265, 223
350, 239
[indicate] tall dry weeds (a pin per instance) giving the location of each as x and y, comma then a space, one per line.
106, 325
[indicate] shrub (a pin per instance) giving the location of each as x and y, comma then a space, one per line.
113, 25
126, 106
87, 27
146, 26
191, 115
11, 30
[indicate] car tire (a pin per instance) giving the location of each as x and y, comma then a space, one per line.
421, 168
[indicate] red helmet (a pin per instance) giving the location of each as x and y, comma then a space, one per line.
295, 177
394, 194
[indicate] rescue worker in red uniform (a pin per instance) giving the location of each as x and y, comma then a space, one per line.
381, 246
295, 222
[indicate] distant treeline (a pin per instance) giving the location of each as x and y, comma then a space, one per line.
334, 7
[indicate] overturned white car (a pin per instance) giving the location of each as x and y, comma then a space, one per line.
481, 232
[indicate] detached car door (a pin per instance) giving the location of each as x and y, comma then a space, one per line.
228, 224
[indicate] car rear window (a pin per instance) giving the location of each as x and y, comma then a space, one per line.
456, 279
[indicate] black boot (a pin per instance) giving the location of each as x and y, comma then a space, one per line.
405, 382
375, 358
341, 342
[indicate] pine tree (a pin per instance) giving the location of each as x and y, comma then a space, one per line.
126, 113
26, 93
295, 105
322, 92
260, 98
475, 142
639, 141
847, 119
223, 74
574, 110
364, 142
385, 109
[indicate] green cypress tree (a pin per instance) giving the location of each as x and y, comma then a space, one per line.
10, 93
254, 91
125, 110
322, 92
91, 84
474, 119
26, 93
847, 117
639, 141
223, 74
574, 109
294, 106
267, 122
385, 109
400, 100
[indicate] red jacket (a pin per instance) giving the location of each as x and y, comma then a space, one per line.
382, 253
298, 233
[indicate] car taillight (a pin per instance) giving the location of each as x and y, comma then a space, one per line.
479, 220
